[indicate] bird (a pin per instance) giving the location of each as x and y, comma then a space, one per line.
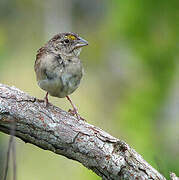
58, 67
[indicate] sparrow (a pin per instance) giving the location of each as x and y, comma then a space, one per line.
58, 67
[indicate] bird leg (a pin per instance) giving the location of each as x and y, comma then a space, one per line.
75, 110
46, 99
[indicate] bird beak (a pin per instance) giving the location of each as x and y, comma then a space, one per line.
80, 43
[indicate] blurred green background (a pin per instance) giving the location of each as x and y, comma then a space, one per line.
131, 83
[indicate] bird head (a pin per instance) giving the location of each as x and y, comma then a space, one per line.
67, 44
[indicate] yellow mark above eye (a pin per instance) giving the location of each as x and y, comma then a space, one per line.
71, 37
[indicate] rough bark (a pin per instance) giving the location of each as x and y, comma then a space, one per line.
53, 129
173, 176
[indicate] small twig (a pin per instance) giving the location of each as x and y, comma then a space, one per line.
11, 145
8, 156
14, 158
14, 152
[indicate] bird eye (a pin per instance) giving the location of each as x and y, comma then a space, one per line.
66, 41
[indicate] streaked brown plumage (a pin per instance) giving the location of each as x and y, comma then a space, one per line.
58, 67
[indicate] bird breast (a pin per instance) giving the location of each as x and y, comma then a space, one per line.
62, 79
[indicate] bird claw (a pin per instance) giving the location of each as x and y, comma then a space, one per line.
45, 100
75, 112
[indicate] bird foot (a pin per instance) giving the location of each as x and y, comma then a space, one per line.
74, 112
45, 100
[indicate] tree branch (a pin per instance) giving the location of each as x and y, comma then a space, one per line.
56, 130
173, 176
